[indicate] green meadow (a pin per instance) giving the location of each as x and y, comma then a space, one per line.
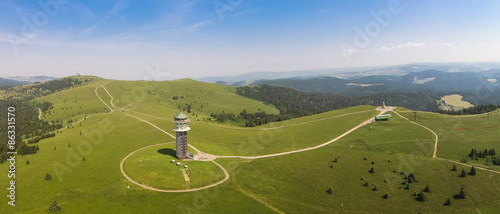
459, 134
84, 160
152, 167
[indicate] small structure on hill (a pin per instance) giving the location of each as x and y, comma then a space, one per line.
383, 117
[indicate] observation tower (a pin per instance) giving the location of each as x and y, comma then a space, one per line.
181, 127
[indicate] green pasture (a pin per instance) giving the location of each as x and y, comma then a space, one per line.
152, 167
294, 183
459, 134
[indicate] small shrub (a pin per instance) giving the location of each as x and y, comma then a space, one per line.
48, 177
385, 196
454, 168
372, 170
426, 189
330, 191
366, 184
461, 194
421, 197
407, 186
54, 207
463, 174
27, 162
448, 202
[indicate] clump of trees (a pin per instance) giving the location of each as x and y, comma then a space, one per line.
247, 119
474, 154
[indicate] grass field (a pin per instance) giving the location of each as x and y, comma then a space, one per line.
297, 183
294, 183
459, 134
456, 101
152, 167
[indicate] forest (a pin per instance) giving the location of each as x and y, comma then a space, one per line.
293, 103
296, 103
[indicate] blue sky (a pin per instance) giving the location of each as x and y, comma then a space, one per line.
192, 39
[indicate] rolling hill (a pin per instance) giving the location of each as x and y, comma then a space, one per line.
122, 128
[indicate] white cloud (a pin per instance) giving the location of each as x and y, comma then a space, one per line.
445, 45
409, 45
414, 45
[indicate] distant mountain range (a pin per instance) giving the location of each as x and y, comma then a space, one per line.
24, 80
351, 73
478, 88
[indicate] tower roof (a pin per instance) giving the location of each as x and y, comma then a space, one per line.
180, 116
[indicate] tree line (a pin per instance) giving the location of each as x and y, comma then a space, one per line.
479, 109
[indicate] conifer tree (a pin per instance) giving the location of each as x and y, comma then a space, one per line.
330, 191
372, 170
421, 197
448, 202
426, 189
472, 171
463, 174
462, 194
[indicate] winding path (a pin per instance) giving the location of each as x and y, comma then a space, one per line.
210, 157
163, 190
434, 154
382, 111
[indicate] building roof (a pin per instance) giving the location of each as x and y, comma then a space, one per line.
180, 116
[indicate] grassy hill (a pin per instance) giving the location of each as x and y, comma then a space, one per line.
84, 160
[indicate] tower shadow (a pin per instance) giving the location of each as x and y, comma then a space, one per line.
167, 151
